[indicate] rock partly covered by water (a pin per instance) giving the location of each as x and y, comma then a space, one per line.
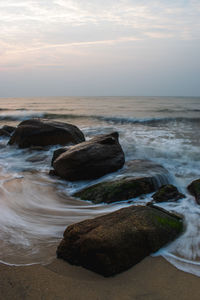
194, 189
167, 193
6, 130
136, 178
92, 159
37, 132
115, 242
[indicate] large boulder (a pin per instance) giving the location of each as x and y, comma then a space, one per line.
167, 193
194, 189
92, 159
36, 132
138, 177
115, 242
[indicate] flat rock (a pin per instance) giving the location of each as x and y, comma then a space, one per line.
167, 193
194, 189
36, 132
92, 159
115, 242
138, 177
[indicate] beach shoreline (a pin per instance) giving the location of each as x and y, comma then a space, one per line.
152, 279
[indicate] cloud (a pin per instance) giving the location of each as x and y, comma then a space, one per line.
34, 28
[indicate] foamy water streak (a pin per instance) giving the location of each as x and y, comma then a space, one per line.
35, 208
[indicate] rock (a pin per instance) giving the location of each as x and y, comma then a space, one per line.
6, 130
136, 178
36, 158
194, 189
57, 153
119, 190
9, 129
92, 159
115, 242
35, 132
167, 193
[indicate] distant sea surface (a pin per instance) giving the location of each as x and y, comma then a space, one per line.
35, 208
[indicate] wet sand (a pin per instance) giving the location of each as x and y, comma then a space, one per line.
151, 279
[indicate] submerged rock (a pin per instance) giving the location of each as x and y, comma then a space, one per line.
37, 132
92, 159
167, 193
194, 189
136, 178
115, 242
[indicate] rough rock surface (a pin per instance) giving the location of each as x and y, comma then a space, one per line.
136, 178
194, 189
92, 159
167, 193
37, 132
118, 190
115, 242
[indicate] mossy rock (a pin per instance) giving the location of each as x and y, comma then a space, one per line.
167, 193
119, 190
115, 242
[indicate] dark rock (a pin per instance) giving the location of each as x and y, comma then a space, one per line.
194, 189
4, 132
37, 132
57, 153
92, 159
119, 190
115, 242
136, 178
167, 193
9, 129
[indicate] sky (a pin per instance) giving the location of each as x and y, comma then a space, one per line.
99, 48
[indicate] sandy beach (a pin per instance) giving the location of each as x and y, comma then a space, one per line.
151, 279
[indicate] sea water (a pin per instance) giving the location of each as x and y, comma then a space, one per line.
35, 208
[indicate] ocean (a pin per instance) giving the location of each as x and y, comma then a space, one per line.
36, 208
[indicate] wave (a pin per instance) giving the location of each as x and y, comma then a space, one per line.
167, 110
123, 120
23, 114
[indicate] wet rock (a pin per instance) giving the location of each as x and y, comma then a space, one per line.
36, 158
37, 132
115, 242
194, 189
6, 130
119, 190
167, 193
9, 129
92, 159
138, 177
57, 153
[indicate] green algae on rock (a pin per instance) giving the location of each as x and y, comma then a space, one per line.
115, 242
119, 190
